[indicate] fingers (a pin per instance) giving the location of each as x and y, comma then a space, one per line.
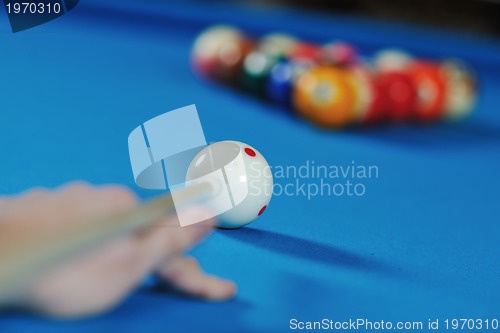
168, 239
185, 274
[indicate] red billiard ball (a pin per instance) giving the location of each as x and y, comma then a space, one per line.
306, 53
431, 91
218, 53
377, 111
371, 106
400, 94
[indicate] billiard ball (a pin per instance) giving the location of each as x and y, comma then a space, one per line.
392, 59
281, 79
256, 69
279, 84
371, 107
377, 111
431, 91
218, 53
325, 96
339, 53
277, 44
247, 175
400, 94
461, 89
361, 79
306, 53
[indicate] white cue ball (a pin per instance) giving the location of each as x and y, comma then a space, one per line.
256, 181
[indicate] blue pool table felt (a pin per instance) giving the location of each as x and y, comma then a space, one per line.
422, 243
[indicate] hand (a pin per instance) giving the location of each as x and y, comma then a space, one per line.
101, 278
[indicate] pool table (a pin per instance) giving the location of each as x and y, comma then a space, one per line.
421, 243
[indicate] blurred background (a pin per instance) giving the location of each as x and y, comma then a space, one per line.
468, 16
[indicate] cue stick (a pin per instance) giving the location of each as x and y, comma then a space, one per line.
22, 261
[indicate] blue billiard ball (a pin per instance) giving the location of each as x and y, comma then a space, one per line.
279, 84
281, 79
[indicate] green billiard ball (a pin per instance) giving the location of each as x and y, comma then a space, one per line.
256, 70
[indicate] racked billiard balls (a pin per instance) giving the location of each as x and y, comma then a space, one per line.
219, 51
248, 178
325, 95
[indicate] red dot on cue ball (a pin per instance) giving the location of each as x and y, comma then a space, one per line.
250, 152
262, 210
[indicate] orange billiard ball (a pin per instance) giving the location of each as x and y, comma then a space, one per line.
326, 96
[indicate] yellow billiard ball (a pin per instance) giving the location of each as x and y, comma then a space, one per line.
326, 96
